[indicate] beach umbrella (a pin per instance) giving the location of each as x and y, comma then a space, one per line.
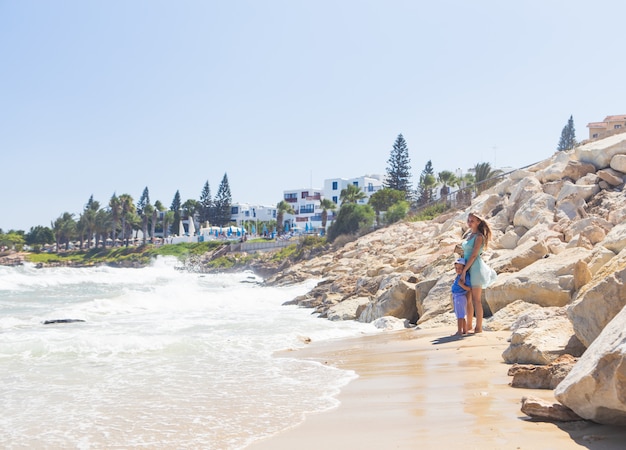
253, 229
306, 227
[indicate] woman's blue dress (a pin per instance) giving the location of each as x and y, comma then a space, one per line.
480, 273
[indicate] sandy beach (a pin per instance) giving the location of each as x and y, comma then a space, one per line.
426, 389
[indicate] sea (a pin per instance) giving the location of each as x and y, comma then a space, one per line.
158, 357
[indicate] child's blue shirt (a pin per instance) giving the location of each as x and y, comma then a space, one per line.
456, 289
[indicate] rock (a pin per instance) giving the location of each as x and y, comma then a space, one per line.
546, 282
576, 169
615, 239
348, 309
538, 209
611, 176
539, 337
543, 410
54, 321
618, 162
599, 301
577, 192
548, 376
596, 387
397, 300
601, 152
389, 323
506, 317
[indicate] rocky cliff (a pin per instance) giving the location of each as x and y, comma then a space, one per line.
559, 234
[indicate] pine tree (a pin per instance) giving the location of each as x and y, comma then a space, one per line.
427, 184
222, 203
568, 136
399, 168
143, 201
206, 204
175, 207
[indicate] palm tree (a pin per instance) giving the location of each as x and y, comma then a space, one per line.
116, 212
326, 205
147, 213
485, 176
89, 216
127, 208
64, 229
282, 208
426, 186
446, 178
102, 226
168, 218
158, 207
351, 194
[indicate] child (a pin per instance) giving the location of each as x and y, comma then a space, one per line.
459, 296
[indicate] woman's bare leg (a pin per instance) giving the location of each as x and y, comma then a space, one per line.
477, 293
470, 311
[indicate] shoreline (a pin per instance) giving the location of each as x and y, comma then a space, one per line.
423, 388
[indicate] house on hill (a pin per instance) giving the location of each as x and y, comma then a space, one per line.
610, 126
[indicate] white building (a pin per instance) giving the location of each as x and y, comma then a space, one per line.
305, 202
245, 213
367, 183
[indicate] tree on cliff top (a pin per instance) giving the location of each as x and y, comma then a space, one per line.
399, 168
568, 136
222, 203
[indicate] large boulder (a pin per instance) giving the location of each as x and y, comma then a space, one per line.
541, 336
596, 387
547, 282
548, 376
438, 300
397, 300
507, 316
615, 239
538, 209
576, 169
618, 162
599, 300
348, 309
601, 152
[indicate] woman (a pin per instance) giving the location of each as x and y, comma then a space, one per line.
481, 275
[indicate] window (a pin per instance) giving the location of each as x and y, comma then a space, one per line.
291, 197
617, 127
234, 210
370, 187
247, 214
334, 185
305, 194
307, 209
253, 212
356, 183
594, 135
335, 200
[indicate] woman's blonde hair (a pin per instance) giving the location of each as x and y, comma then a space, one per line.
483, 227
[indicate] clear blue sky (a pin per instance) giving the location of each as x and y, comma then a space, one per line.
103, 97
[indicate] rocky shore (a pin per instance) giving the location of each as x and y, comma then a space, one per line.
558, 248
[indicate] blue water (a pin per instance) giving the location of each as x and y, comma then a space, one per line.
164, 358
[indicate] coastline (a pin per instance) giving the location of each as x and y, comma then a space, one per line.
423, 388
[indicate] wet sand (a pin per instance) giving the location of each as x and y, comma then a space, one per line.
426, 389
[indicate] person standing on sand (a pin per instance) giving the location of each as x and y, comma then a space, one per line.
460, 289
482, 276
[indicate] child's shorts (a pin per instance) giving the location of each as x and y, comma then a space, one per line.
460, 304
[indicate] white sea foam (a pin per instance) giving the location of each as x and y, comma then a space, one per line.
164, 358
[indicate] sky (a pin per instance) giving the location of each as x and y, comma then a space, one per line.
109, 97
